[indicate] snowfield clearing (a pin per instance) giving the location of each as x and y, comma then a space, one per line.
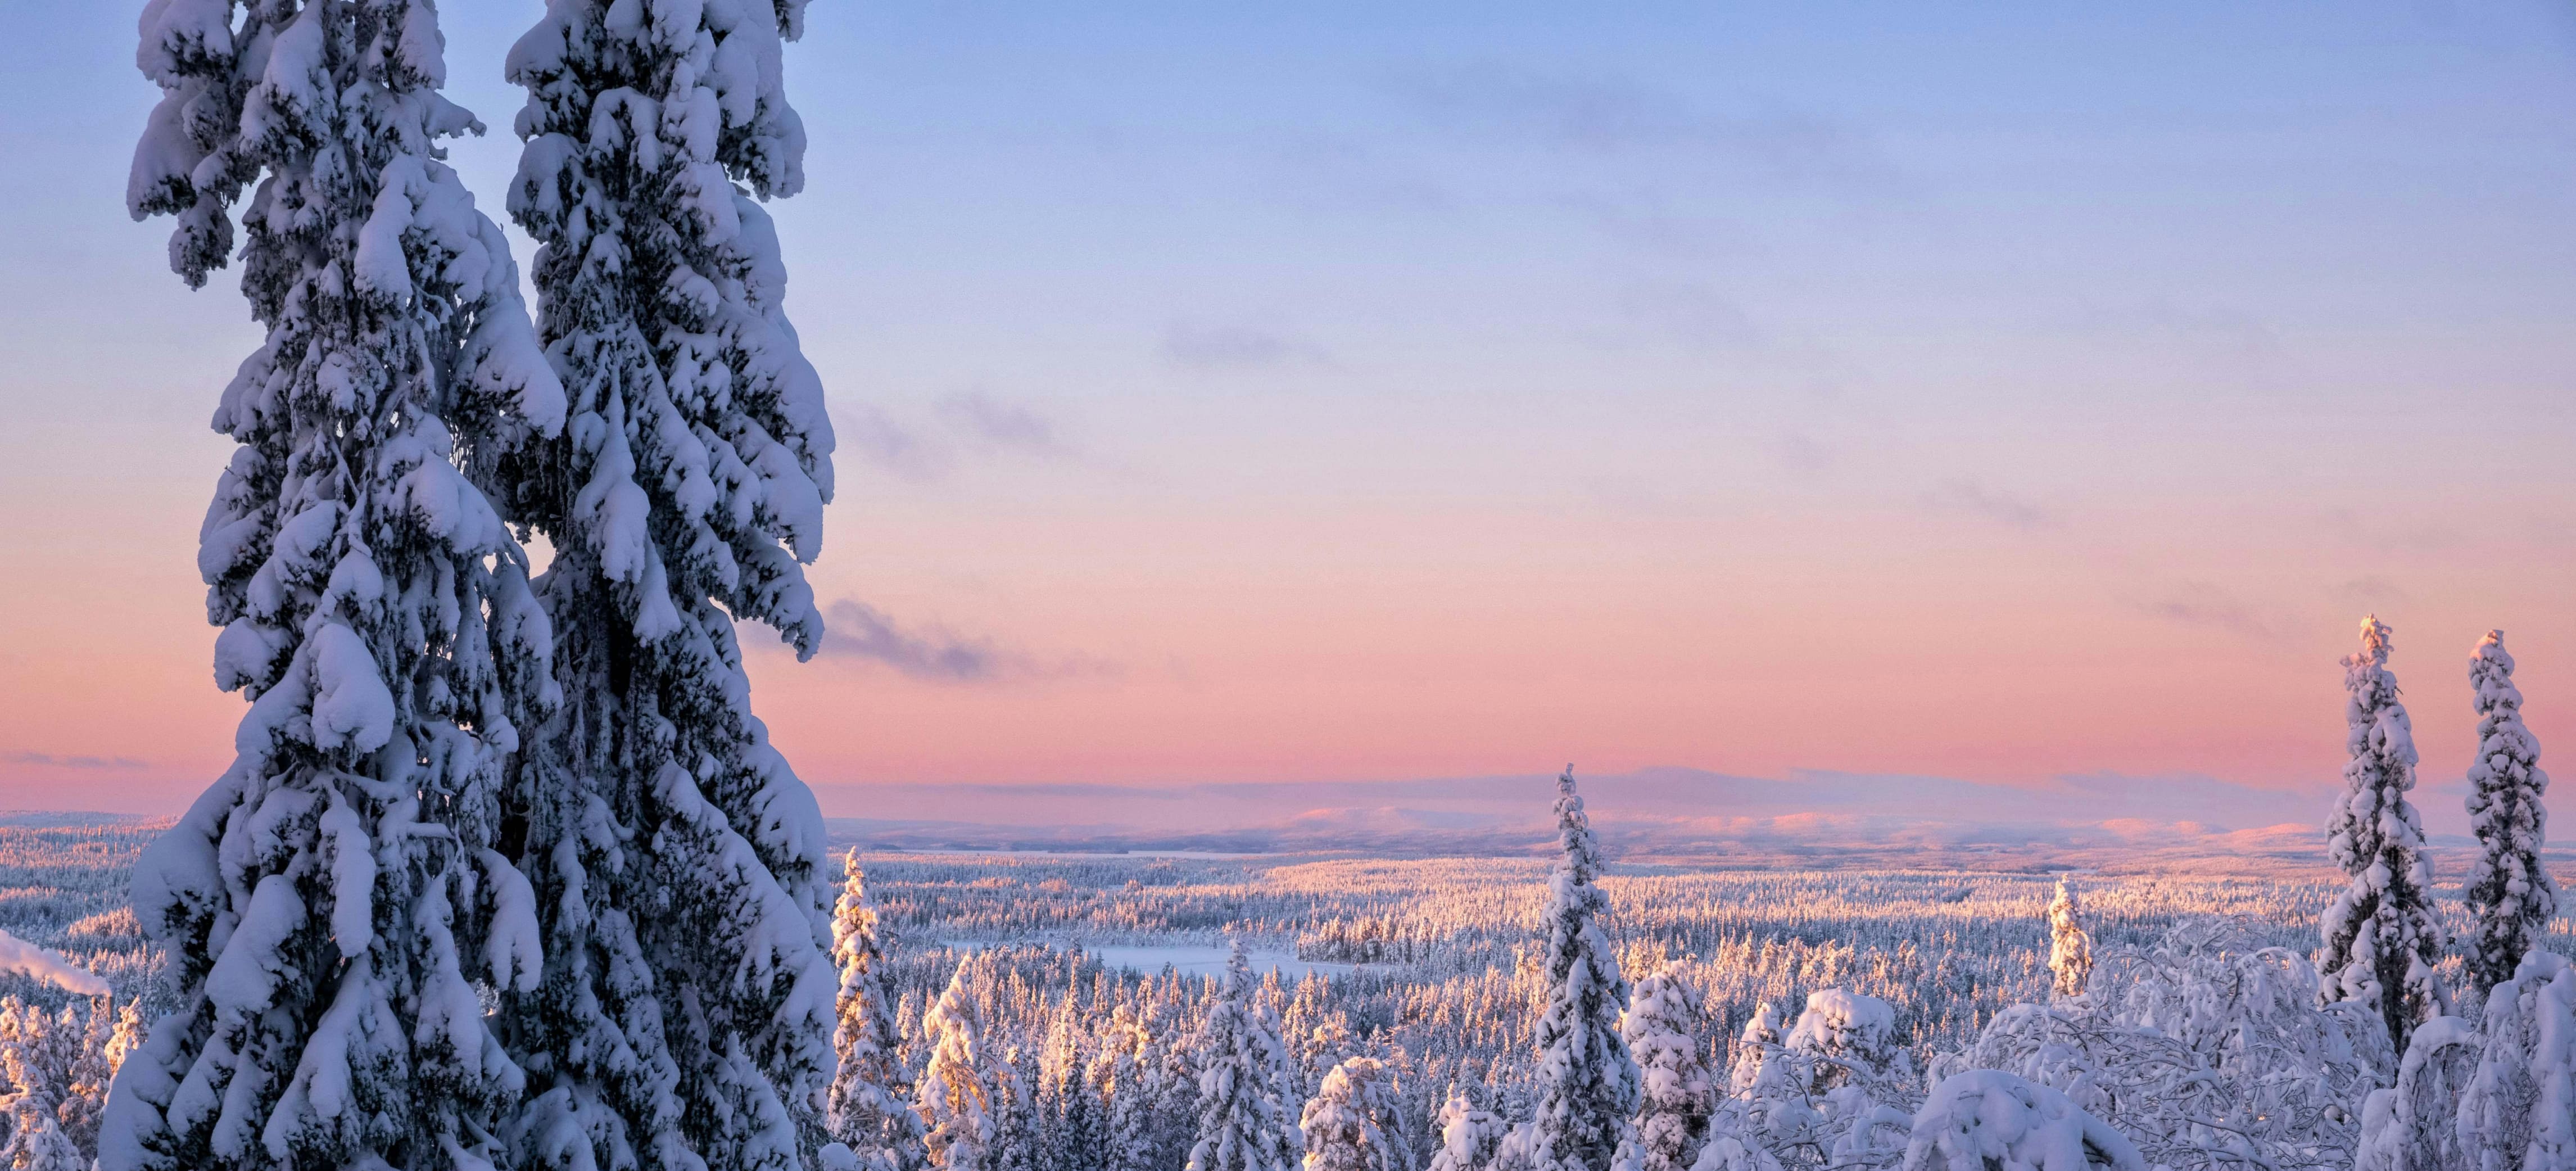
1197, 961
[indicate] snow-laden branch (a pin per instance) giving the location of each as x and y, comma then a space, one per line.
52, 967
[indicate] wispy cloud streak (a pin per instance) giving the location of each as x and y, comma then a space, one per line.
93, 763
1975, 499
861, 631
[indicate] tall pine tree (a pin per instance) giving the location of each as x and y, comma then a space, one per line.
2070, 946
2510, 895
869, 1105
2381, 937
961, 1094
685, 495
1587, 1081
328, 905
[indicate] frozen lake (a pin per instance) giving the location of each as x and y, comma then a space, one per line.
1190, 959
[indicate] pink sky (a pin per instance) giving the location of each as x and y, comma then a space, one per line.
1992, 397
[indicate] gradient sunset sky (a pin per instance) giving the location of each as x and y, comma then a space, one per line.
1351, 392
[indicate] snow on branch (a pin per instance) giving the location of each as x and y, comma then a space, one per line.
52, 967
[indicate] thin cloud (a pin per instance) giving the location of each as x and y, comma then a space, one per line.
997, 423
1653, 222
1326, 174
874, 437
2209, 607
2371, 588
1691, 315
1605, 114
50, 760
2387, 531
1975, 499
1801, 453
1238, 347
2217, 330
858, 630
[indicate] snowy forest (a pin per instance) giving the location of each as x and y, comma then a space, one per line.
506, 873
1132, 1013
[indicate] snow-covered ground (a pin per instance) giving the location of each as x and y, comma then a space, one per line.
1191, 959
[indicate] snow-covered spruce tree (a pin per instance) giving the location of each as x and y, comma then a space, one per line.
37, 1051
328, 904
2070, 946
1662, 1028
127, 1037
57, 1064
684, 495
91, 1069
60, 1064
1176, 1108
1243, 1117
1017, 1133
1073, 1122
2510, 895
2382, 938
954, 1097
1587, 1082
1471, 1137
869, 1105
1126, 1072
1355, 1121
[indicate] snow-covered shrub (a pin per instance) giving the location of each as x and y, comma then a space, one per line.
2381, 938
2414, 1125
1837, 1092
1780, 1102
1471, 1137
1733, 1143
2518, 1112
1853, 1035
2207, 1049
2510, 895
1989, 1120
1761, 1035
